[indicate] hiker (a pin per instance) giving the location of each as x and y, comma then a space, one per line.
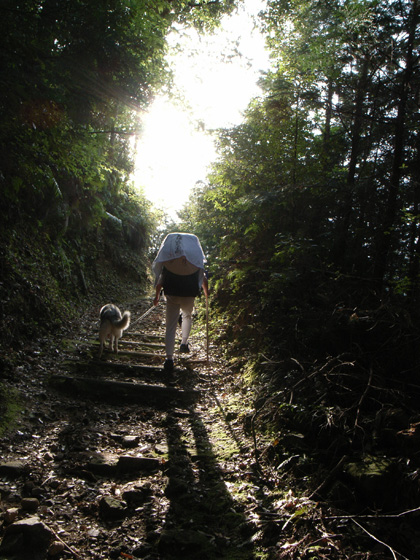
179, 270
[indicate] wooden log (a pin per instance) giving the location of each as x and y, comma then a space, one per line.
123, 390
190, 361
139, 343
102, 367
127, 368
133, 343
137, 334
133, 354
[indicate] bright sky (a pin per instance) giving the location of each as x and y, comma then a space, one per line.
216, 85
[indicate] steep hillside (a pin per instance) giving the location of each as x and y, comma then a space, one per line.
45, 285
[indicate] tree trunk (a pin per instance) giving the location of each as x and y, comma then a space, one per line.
327, 127
347, 206
385, 238
414, 248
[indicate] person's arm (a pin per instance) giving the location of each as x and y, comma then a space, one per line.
157, 295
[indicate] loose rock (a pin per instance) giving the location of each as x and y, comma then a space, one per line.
27, 539
30, 504
56, 548
11, 515
111, 508
13, 469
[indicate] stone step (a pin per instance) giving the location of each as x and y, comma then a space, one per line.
124, 391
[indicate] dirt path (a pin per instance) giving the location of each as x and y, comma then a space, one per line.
119, 459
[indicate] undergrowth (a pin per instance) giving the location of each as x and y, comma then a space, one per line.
10, 407
47, 284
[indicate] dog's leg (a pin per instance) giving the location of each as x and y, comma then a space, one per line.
102, 341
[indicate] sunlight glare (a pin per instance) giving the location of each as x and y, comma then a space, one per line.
171, 155
215, 76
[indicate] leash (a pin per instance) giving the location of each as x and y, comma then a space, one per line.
145, 314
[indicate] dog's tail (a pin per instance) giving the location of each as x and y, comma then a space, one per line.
124, 322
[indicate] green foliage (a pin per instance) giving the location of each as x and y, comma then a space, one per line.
75, 77
369, 466
295, 211
10, 408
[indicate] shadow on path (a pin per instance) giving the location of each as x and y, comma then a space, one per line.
203, 521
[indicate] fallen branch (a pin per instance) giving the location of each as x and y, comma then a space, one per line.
362, 398
329, 476
313, 373
392, 551
74, 552
254, 435
376, 516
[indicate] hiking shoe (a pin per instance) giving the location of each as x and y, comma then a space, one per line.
184, 348
168, 365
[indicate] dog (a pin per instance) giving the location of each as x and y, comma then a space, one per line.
112, 326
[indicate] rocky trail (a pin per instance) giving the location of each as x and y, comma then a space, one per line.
118, 459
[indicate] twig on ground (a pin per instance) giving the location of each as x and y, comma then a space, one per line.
376, 516
68, 547
362, 398
393, 552
254, 435
313, 373
329, 476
